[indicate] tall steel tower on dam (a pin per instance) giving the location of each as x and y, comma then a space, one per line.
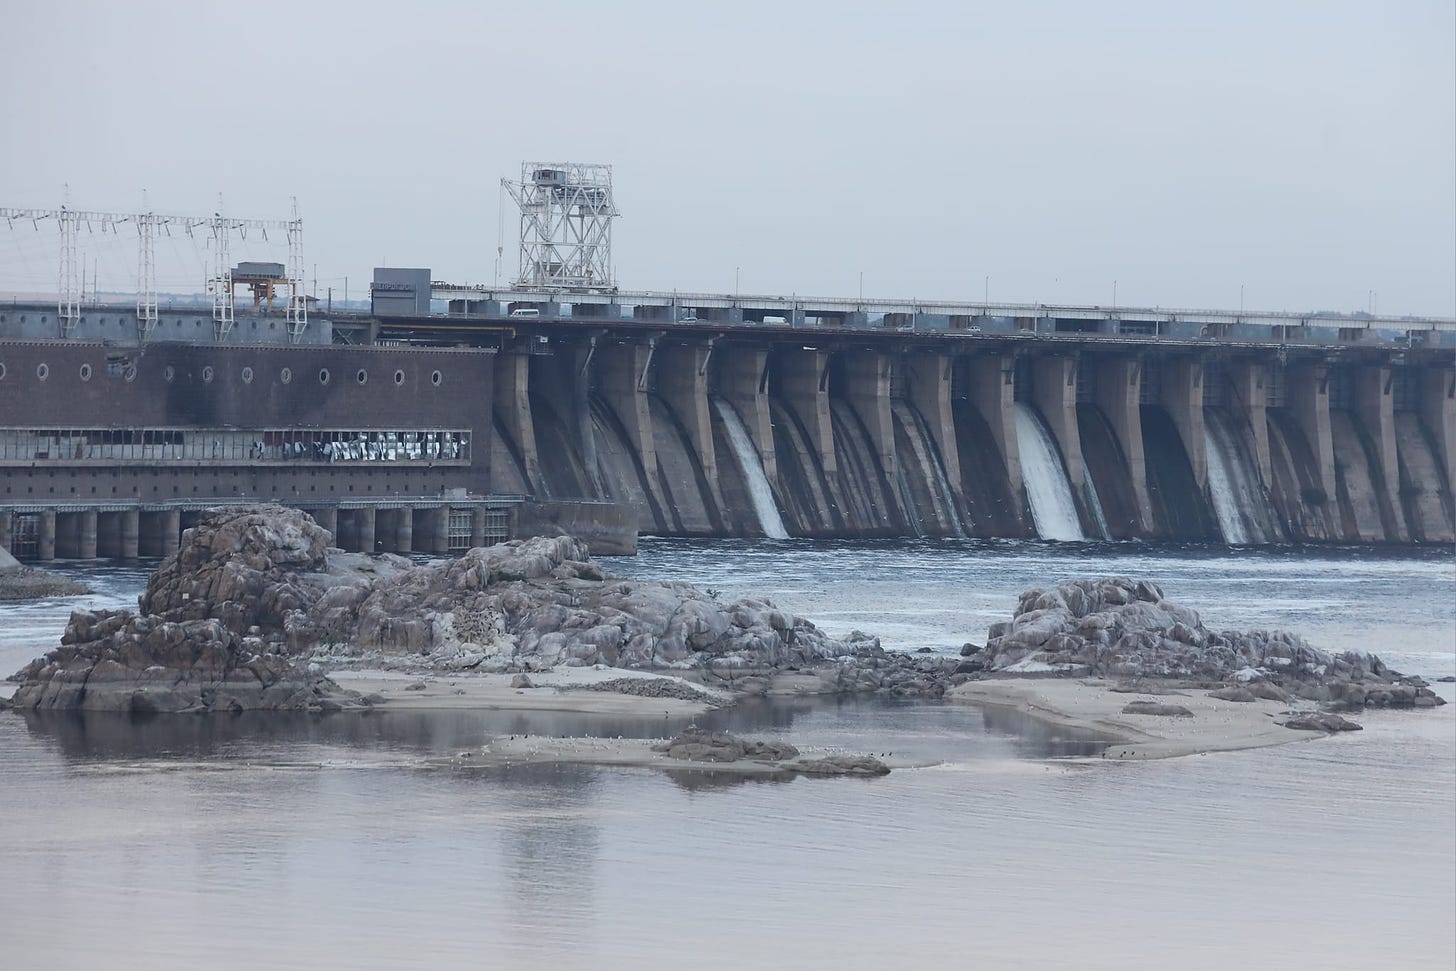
566, 226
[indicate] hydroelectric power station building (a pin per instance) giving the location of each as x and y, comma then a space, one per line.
448, 416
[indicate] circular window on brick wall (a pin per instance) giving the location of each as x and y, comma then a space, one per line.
436, 378
247, 375
207, 374
323, 375
285, 375
398, 377
42, 371
362, 376
85, 372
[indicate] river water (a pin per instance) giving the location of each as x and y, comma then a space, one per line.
303, 843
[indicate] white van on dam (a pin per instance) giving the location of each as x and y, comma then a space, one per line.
525, 312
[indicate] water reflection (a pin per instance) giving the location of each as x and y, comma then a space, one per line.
920, 729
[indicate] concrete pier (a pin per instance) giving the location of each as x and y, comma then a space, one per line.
1376, 407
1054, 392
513, 410
1308, 394
1119, 395
742, 378
928, 386
804, 385
682, 380
992, 380
46, 536
1248, 402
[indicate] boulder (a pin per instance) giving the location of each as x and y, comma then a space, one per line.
1156, 708
864, 765
1320, 721
697, 745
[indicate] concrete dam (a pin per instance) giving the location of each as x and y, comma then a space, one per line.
731, 431
435, 432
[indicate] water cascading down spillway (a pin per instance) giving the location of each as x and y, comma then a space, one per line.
1233, 486
759, 492
1047, 490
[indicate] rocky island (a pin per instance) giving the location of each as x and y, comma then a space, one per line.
1114, 655
257, 610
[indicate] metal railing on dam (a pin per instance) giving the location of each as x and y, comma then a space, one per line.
799, 311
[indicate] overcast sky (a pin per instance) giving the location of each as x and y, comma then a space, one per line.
1303, 151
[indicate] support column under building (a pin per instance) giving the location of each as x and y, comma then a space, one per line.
432, 530
171, 531
404, 529
7, 529
45, 535
867, 388
364, 528
86, 534
130, 546
477, 527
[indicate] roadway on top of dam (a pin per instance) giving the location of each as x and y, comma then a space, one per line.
503, 330
795, 306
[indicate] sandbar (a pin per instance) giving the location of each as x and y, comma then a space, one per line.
551, 691
1091, 705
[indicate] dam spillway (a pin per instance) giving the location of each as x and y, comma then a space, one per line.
720, 428
916, 435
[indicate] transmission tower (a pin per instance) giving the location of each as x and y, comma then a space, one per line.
297, 302
219, 283
68, 290
146, 307
566, 226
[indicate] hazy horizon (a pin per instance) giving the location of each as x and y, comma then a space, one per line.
1301, 156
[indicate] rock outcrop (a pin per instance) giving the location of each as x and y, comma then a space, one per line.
255, 606
698, 745
1125, 629
209, 633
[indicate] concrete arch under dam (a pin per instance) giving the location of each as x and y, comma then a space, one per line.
913, 438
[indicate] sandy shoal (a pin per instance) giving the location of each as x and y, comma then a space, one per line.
1091, 705
494, 692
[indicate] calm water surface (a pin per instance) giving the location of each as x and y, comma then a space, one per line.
304, 843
